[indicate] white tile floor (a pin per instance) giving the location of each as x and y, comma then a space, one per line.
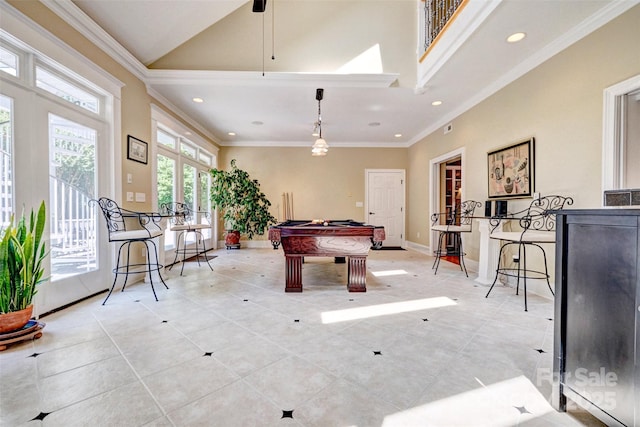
231, 348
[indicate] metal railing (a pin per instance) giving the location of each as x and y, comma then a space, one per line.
72, 230
437, 13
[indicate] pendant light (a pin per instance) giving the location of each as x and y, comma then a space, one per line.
320, 147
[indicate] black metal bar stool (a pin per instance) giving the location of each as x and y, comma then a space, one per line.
537, 223
149, 229
456, 222
185, 220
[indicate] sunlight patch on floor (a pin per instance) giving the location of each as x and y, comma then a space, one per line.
388, 273
506, 403
384, 309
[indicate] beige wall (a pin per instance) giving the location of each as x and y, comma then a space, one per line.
560, 103
322, 187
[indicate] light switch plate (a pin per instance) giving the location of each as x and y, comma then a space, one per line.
141, 197
129, 196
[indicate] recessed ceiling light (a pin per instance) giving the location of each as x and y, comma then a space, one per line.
187, 133
198, 100
516, 37
231, 133
374, 124
436, 103
257, 123
398, 135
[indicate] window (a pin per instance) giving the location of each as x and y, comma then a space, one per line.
68, 91
6, 160
205, 158
188, 150
166, 139
8, 62
182, 172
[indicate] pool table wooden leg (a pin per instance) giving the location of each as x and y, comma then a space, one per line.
293, 273
357, 274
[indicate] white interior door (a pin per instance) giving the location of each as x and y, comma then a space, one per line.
384, 203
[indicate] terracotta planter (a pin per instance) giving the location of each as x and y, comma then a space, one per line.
232, 240
15, 320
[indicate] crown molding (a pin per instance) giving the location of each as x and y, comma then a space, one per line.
256, 78
308, 144
75, 17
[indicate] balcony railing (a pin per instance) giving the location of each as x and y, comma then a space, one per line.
73, 230
437, 14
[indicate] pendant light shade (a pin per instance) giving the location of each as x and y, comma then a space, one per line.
320, 147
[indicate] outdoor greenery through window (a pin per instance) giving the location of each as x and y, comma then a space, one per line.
182, 175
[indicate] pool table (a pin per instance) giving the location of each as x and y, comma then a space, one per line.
336, 238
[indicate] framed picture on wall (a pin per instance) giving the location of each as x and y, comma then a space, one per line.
511, 171
136, 150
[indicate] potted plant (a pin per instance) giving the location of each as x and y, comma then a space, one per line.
245, 209
22, 252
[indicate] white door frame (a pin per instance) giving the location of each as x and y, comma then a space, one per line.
434, 174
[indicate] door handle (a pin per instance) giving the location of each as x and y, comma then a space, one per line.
371, 213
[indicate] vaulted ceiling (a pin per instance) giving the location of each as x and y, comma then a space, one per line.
257, 73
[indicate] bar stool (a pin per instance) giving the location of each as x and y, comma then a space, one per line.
537, 223
148, 229
457, 221
185, 220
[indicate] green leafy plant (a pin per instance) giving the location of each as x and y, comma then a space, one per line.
244, 207
22, 252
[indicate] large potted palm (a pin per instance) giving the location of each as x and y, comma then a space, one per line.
22, 252
244, 207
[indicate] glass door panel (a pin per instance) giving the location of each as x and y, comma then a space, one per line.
166, 188
189, 193
204, 204
6, 160
72, 183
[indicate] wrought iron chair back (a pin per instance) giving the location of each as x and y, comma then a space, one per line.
115, 217
537, 223
539, 216
461, 214
456, 221
112, 214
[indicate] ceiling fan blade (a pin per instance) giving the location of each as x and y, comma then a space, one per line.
259, 5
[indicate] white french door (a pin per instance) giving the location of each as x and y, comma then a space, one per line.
56, 153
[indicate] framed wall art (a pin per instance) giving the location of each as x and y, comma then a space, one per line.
511, 171
137, 150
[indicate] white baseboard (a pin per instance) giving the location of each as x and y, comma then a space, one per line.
250, 244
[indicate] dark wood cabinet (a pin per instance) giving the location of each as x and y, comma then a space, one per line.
597, 313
